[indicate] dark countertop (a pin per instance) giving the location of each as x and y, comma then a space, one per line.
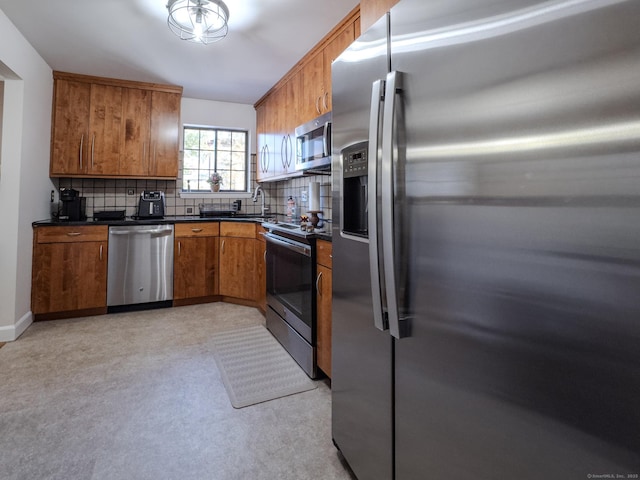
167, 220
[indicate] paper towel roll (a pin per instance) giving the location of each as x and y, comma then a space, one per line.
314, 196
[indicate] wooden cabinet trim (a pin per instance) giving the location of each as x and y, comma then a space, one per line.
115, 82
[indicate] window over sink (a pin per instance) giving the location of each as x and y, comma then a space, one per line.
209, 150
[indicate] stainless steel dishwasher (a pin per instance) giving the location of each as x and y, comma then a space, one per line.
140, 266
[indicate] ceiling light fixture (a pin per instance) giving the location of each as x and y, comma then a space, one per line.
199, 21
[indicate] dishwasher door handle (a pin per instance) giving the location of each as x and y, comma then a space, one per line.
147, 231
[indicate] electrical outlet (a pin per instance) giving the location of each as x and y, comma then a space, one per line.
189, 209
303, 195
131, 191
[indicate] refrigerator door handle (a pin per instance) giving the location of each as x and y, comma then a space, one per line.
389, 173
377, 100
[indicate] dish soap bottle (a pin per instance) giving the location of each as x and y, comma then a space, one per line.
291, 209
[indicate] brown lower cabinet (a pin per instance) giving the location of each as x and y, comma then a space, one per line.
237, 260
195, 265
323, 301
69, 269
212, 261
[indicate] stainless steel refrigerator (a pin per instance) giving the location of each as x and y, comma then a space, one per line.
486, 189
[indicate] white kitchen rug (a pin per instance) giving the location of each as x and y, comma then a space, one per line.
255, 368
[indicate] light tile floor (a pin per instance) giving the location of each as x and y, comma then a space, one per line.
138, 396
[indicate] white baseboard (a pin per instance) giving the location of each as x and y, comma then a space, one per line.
12, 332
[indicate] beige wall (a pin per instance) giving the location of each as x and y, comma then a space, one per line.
24, 180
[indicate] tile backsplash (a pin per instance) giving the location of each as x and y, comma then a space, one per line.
109, 194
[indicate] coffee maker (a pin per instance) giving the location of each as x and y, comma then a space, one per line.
72, 206
151, 205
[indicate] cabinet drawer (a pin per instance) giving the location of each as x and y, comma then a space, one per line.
72, 234
324, 250
204, 229
238, 229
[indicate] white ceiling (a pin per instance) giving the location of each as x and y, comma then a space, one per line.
129, 39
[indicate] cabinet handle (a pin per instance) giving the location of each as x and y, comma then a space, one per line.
73, 234
324, 101
101, 252
222, 248
268, 160
81, 147
155, 161
318, 104
283, 153
93, 144
265, 256
179, 248
318, 284
196, 230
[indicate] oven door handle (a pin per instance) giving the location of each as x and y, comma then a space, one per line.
289, 244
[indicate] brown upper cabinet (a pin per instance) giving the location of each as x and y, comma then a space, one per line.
300, 96
316, 72
372, 10
112, 128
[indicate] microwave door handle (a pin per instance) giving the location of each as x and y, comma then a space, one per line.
377, 100
326, 133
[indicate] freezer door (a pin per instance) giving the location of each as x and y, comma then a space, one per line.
361, 354
522, 157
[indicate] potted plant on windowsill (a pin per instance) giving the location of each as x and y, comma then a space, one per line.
215, 180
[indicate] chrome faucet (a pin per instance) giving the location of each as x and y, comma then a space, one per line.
263, 209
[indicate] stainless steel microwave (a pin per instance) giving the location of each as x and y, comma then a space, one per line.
313, 144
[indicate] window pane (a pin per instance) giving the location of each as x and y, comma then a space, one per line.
208, 140
191, 159
224, 160
237, 180
238, 161
191, 138
207, 161
224, 140
239, 140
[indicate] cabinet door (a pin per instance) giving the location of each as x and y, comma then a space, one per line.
105, 125
237, 267
136, 131
195, 269
165, 125
70, 128
69, 276
261, 130
312, 78
265, 167
261, 274
279, 100
323, 302
290, 120
338, 45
